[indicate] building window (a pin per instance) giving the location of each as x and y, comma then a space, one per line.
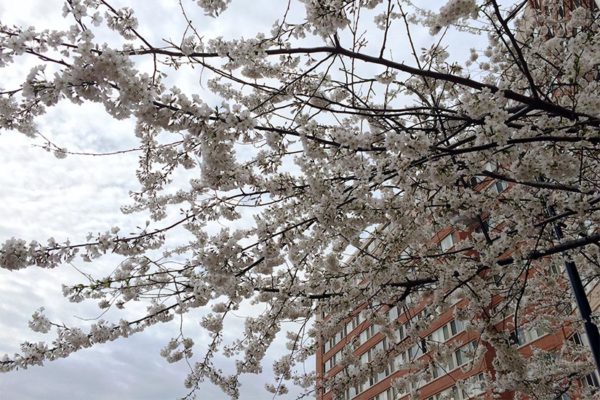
367, 334
473, 386
499, 186
447, 242
389, 394
393, 314
341, 334
451, 393
402, 330
476, 180
405, 358
447, 331
406, 254
351, 325
592, 381
460, 357
333, 361
490, 166
526, 335
370, 356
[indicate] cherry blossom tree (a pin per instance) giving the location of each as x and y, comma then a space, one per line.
335, 157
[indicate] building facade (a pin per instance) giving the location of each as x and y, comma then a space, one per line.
467, 365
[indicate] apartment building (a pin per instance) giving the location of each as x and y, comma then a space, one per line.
467, 365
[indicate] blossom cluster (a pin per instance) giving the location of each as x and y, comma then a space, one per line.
452, 12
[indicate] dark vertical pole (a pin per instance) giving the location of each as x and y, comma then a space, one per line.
586, 312
580, 297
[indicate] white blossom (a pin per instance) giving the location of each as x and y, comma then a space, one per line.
39, 322
13, 254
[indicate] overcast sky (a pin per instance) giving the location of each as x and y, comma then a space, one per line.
42, 197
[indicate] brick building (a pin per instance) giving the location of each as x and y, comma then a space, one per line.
463, 374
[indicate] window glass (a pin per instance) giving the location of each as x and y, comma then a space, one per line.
447, 242
459, 357
527, 335
490, 166
406, 253
592, 380
499, 186
402, 332
393, 313
350, 326
446, 331
362, 337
